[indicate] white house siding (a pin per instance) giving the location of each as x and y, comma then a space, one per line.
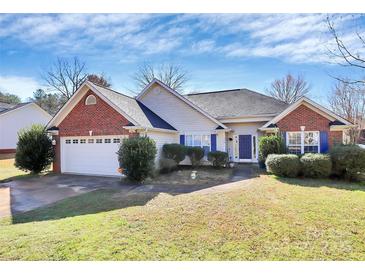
176, 112
180, 115
221, 141
162, 138
13, 121
242, 129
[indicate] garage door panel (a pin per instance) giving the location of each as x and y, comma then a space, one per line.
90, 158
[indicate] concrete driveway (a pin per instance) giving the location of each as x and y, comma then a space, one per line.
24, 195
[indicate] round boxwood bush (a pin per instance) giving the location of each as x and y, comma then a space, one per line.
167, 165
34, 151
137, 157
195, 154
218, 158
348, 161
315, 165
286, 165
174, 152
273, 144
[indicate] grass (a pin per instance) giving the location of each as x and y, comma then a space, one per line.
9, 172
265, 219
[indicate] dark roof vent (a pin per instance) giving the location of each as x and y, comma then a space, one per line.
272, 126
336, 123
219, 127
53, 128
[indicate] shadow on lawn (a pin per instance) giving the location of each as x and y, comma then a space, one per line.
88, 203
107, 198
331, 183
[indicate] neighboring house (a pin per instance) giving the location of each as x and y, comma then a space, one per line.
89, 128
16, 117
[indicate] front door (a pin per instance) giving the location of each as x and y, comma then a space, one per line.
245, 147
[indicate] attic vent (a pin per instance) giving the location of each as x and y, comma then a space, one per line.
90, 100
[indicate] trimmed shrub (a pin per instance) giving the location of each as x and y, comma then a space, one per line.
195, 154
218, 158
167, 165
34, 151
273, 144
136, 157
348, 161
174, 152
316, 165
286, 165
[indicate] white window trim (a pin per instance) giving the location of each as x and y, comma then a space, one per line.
201, 139
90, 100
302, 139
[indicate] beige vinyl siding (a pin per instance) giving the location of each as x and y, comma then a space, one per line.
162, 138
176, 112
13, 121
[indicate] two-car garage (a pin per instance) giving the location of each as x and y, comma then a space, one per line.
90, 155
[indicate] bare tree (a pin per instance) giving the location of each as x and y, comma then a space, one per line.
100, 80
66, 76
349, 102
348, 54
289, 88
170, 74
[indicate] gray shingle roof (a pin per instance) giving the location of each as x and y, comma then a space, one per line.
5, 107
236, 103
136, 110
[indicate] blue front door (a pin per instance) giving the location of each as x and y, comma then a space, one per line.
245, 146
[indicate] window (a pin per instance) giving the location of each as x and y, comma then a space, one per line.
294, 142
75, 141
107, 141
303, 142
206, 144
198, 140
68, 141
311, 142
189, 140
90, 100
99, 141
83, 141
116, 140
90, 141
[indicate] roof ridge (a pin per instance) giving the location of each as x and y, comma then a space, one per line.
112, 90
238, 89
215, 91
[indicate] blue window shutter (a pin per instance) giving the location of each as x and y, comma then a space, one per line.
324, 141
283, 135
182, 139
213, 142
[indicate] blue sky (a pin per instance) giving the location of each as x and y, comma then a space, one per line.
220, 51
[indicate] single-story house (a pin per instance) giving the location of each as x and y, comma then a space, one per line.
16, 117
89, 128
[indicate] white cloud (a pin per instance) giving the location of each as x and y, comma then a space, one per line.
295, 38
21, 86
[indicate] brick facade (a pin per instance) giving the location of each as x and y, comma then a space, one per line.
100, 118
313, 121
7, 150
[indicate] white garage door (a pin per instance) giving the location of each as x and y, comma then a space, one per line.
90, 155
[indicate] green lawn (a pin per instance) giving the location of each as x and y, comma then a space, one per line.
268, 219
8, 170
